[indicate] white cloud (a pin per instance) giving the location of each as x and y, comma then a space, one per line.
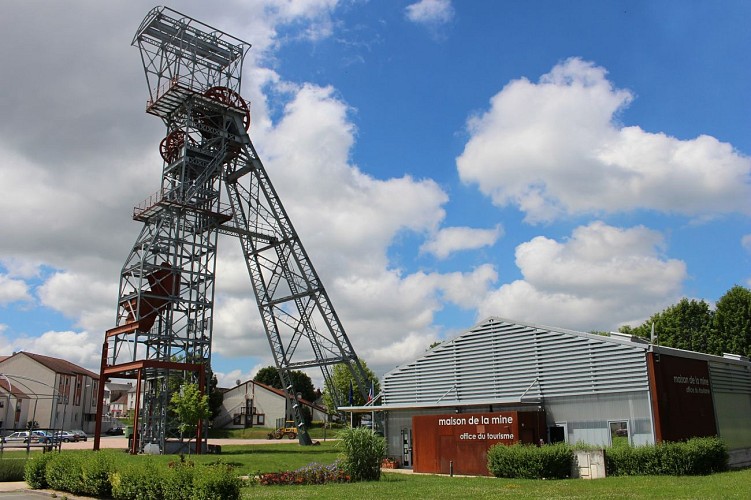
81, 348
230, 379
13, 290
468, 289
600, 277
430, 12
454, 239
555, 148
83, 297
746, 242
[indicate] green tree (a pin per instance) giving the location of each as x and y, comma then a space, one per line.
732, 323
343, 380
300, 381
190, 406
685, 325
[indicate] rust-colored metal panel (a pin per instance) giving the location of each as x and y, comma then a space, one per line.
653, 395
684, 398
461, 439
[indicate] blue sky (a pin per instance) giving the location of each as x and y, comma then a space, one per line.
576, 164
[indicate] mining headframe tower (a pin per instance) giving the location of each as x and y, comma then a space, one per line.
212, 183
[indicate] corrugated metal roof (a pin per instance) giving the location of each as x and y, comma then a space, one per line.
500, 360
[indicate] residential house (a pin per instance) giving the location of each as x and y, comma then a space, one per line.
253, 404
58, 393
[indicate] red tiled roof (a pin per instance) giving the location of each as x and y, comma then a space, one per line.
57, 365
13, 389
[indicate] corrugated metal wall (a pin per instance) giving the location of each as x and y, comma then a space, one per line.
501, 361
731, 391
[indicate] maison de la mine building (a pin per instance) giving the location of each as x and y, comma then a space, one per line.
506, 382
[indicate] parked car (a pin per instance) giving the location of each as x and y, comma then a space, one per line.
45, 436
80, 434
25, 436
115, 431
66, 436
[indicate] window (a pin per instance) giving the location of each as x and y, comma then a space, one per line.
619, 435
557, 433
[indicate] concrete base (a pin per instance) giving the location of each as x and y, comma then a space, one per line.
177, 447
738, 459
589, 464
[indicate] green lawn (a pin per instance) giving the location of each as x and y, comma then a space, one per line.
728, 485
262, 432
274, 457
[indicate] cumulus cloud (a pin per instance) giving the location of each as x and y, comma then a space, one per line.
598, 278
81, 348
455, 239
349, 211
13, 290
555, 148
86, 298
430, 12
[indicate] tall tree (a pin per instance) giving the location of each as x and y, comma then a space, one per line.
685, 325
300, 380
343, 381
732, 322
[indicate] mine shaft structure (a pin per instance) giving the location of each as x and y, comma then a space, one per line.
213, 183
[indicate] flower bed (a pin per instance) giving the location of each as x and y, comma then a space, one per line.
310, 474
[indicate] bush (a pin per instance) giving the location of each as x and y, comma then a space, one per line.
521, 461
64, 472
12, 469
216, 482
138, 480
697, 456
363, 452
96, 468
177, 479
35, 471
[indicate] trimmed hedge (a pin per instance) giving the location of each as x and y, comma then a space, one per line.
105, 474
524, 461
35, 471
697, 456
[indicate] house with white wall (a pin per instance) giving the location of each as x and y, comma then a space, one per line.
253, 404
58, 394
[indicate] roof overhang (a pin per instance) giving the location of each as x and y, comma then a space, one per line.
441, 404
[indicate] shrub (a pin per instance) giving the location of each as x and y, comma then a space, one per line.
363, 451
35, 471
522, 461
138, 480
177, 480
216, 482
12, 469
64, 472
697, 456
96, 468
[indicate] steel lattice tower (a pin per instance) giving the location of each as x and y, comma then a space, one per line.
212, 182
